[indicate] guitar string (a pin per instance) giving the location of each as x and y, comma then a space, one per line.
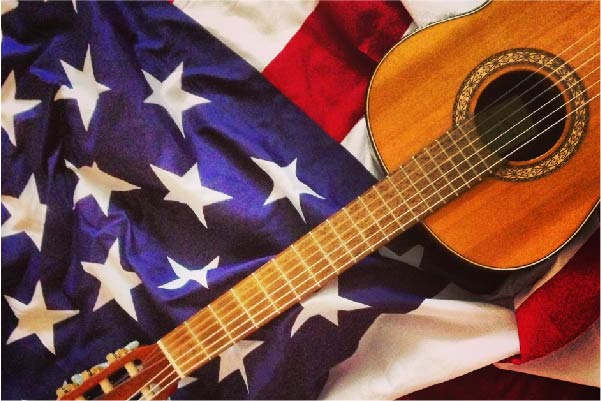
537, 123
318, 251
529, 76
470, 120
456, 178
176, 378
528, 89
151, 356
539, 69
320, 260
292, 279
516, 149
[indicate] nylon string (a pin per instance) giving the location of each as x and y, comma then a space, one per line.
319, 262
318, 251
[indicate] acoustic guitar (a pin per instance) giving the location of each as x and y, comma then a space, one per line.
495, 151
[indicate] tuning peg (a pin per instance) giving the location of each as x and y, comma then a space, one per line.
64, 389
60, 392
132, 345
96, 369
77, 379
67, 387
110, 357
121, 352
105, 384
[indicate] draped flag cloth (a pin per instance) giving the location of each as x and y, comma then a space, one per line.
154, 154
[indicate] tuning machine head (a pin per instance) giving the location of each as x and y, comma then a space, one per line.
106, 386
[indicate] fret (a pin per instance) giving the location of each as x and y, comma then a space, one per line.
198, 342
431, 184
350, 232
416, 189
360, 198
341, 241
275, 263
471, 171
459, 173
305, 264
233, 291
444, 189
386, 220
358, 228
364, 219
485, 160
210, 307
459, 148
325, 254
476, 155
170, 358
441, 172
482, 154
354, 235
409, 208
387, 207
265, 292
353, 223
319, 244
469, 141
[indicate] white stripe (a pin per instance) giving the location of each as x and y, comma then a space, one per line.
256, 30
441, 339
425, 12
358, 144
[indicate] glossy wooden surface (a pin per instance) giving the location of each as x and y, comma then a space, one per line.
498, 224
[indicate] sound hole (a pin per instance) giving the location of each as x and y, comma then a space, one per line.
515, 115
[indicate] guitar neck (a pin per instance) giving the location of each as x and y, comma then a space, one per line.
430, 179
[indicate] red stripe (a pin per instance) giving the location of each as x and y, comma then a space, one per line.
563, 307
490, 383
325, 68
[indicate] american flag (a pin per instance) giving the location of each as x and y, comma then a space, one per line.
154, 154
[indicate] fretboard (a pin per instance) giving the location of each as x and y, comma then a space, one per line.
439, 173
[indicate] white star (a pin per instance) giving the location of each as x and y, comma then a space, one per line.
285, 183
36, 318
8, 5
184, 275
27, 214
95, 182
412, 257
84, 88
188, 190
115, 282
11, 106
171, 96
325, 302
186, 380
232, 359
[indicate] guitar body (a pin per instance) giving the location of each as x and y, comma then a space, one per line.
432, 80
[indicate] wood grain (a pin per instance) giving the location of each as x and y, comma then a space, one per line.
499, 223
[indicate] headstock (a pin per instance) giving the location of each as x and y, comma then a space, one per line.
131, 372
